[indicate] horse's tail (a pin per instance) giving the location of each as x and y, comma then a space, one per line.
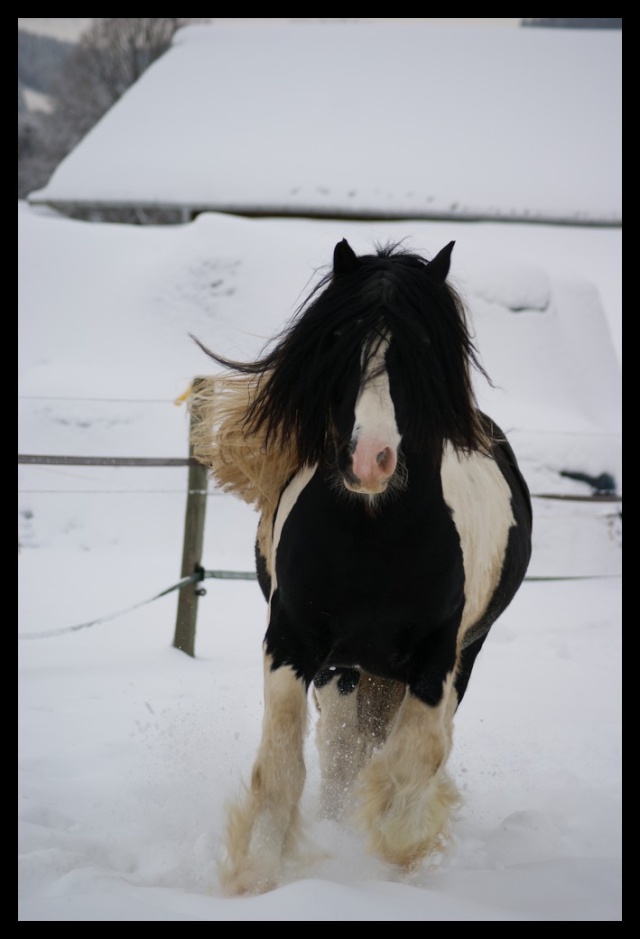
239, 461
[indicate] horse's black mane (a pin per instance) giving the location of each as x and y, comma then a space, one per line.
304, 374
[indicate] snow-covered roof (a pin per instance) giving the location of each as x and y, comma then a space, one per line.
364, 120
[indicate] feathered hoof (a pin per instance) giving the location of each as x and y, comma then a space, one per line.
249, 880
405, 826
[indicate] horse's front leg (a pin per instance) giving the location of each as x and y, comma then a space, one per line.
263, 826
406, 796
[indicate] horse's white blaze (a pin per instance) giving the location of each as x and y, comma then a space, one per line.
480, 498
375, 431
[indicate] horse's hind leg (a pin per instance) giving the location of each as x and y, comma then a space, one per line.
378, 703
341, 749
355, 710
263, 826
406, 797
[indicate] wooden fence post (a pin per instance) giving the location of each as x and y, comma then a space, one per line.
185, 631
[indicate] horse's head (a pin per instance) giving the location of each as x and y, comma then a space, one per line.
373, 369
369, 426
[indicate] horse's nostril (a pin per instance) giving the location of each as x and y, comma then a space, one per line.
385, 459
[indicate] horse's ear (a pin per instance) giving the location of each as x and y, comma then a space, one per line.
344, 259
438, 268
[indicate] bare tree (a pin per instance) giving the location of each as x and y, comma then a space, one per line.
109, 57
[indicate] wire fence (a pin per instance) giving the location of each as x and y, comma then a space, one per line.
52, 460
197, 492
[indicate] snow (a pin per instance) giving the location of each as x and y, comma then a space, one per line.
373, 119
129, 749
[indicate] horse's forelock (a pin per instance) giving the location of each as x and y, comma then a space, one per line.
319, 356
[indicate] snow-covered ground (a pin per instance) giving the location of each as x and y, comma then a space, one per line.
129, 749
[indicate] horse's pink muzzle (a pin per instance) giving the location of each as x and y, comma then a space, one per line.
373, 464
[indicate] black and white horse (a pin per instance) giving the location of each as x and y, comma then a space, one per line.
395, 528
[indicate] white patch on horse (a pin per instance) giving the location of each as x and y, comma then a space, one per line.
290, 496
480, 499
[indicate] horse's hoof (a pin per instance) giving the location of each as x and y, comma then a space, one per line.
245, 883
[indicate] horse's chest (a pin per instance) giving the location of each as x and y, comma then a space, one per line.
348, 566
